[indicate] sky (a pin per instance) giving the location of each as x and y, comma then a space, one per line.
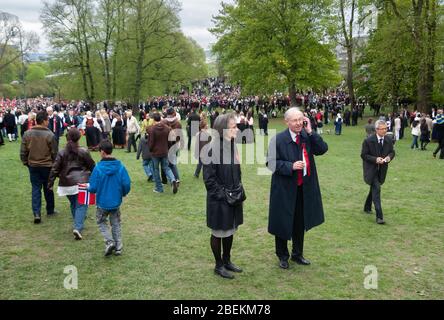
195, 16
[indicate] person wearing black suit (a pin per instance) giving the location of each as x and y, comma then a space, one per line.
54, 123
377, 152
71, 120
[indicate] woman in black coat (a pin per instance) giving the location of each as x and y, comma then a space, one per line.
223, 173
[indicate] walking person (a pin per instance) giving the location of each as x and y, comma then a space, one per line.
377, 152
158, 144
295, 196
144, 149
202, 139
110, 182
38, 152
370, 127
222, 177
416, 132
425, 134
55, 123
73, 166
10, 123
338, 124
438, 133
133, 129
397, 127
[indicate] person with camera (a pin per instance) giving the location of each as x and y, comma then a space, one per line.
377, 152
295, 196
225, 193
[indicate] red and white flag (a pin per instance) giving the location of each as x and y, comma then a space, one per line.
84, 196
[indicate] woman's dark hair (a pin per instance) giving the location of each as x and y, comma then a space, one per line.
370, 120
73, 136
221, 123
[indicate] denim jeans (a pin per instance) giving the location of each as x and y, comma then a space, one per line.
173, 166
39, 179
148, 167
165, 168
415, 142
78, 212
115, 236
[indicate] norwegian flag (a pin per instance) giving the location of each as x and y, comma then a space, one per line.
84, 196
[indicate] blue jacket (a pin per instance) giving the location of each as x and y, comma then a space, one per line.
110, 182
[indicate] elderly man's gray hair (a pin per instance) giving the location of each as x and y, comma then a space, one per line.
290, 111
378, 123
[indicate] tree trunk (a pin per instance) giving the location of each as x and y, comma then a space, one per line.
351, 91
292, 93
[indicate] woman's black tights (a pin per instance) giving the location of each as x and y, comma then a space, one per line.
216, 247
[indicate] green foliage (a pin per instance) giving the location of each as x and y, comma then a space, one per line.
35, 72
8, 90
121, 49
403, 59
276, 45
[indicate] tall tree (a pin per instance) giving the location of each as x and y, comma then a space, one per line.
68, 24
347, 33
15, 43
155, 27
421, 20
276, 44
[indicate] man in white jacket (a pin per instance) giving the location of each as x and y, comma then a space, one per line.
132, 130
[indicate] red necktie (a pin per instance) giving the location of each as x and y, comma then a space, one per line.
299, 172
54, 125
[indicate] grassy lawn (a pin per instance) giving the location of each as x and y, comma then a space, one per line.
166, 242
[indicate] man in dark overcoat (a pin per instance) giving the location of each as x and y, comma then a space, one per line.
295, 196
377, 152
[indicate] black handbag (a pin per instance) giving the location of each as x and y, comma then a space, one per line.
236, 195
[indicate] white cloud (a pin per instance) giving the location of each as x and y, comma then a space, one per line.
195, 18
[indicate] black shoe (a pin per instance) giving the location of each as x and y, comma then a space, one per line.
301, 260
380, 221
150, 179
174, 185
231, 267
37, 219
164, 182
368, 211
52, 214
284, 264
434, 155
223, 272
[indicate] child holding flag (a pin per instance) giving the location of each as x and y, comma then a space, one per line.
110, 182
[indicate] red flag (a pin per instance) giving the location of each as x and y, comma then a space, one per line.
84, 196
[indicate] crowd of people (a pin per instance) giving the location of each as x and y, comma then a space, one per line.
158, 132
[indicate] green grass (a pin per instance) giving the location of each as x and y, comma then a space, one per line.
166, 241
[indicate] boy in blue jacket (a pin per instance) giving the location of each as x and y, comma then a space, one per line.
110, 182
